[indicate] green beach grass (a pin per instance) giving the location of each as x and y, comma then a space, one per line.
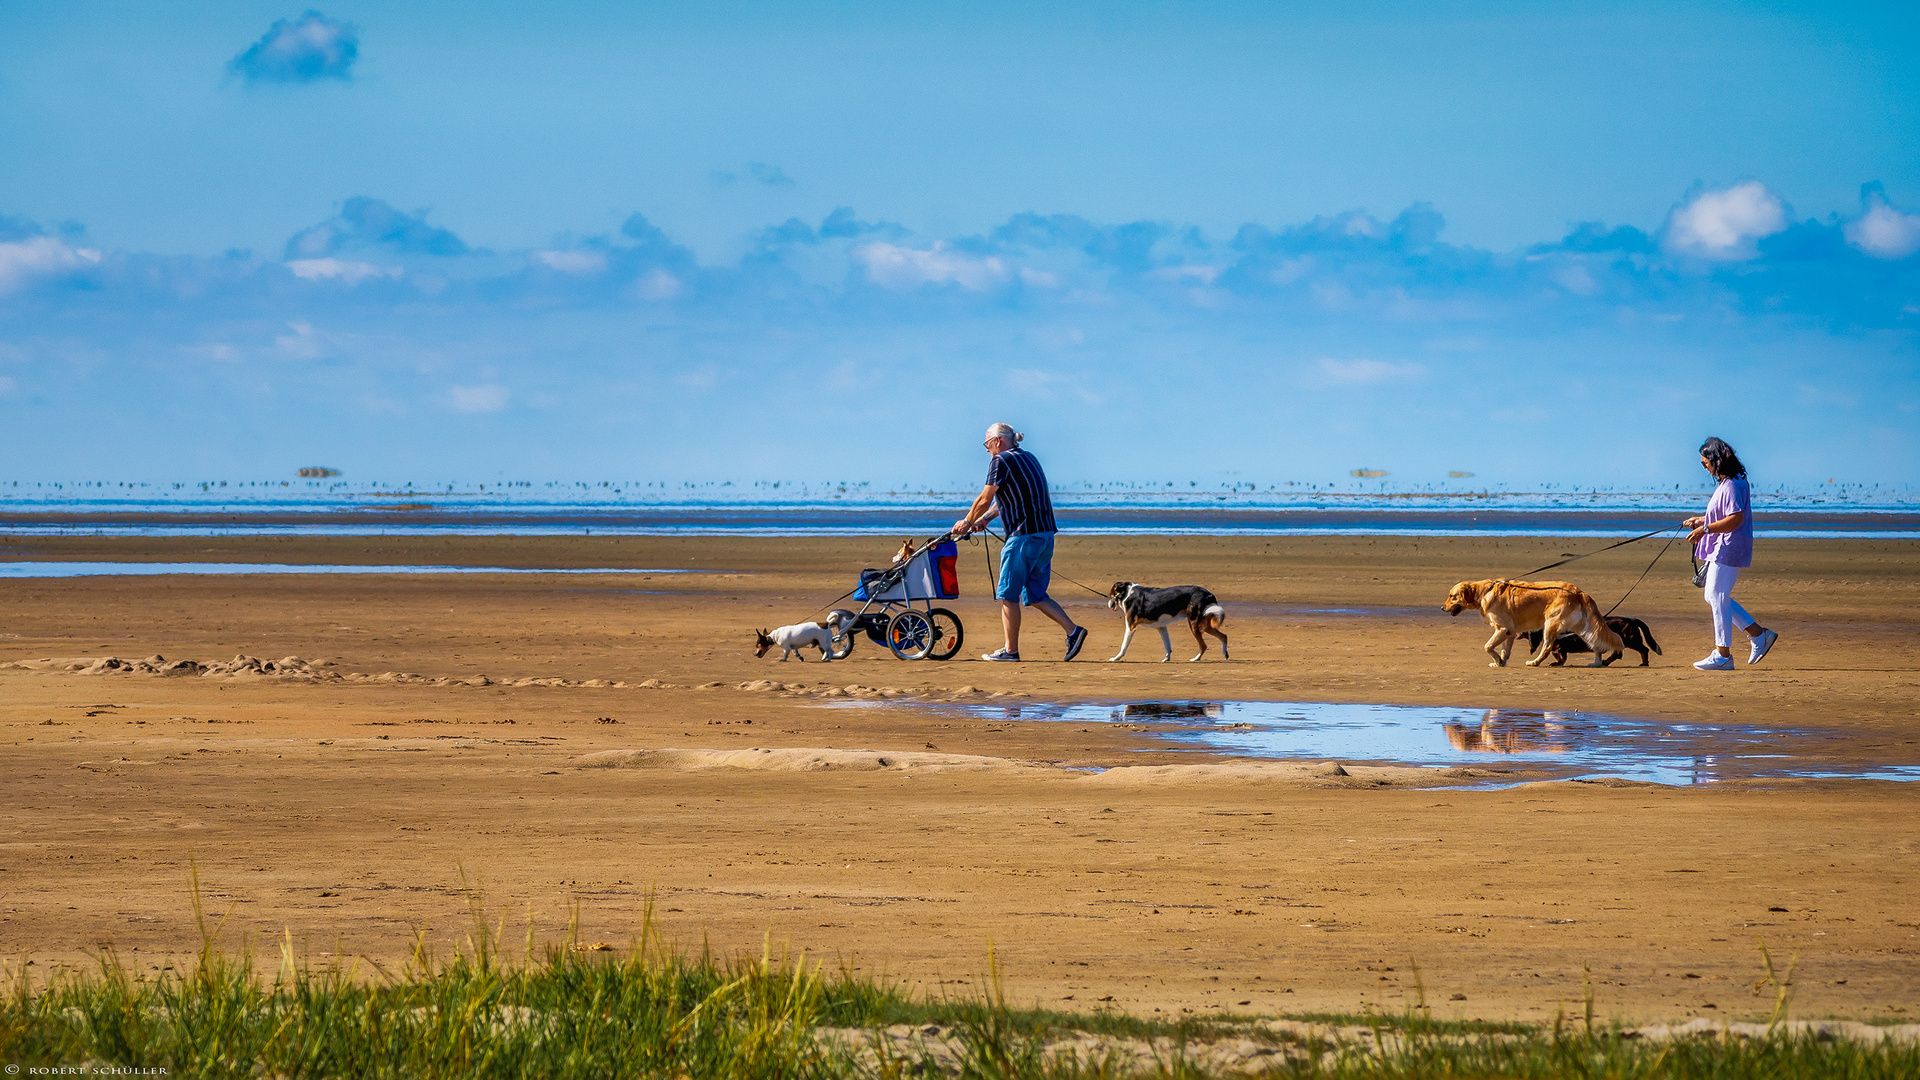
649, 1010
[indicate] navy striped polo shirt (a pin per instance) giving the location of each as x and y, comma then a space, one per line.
1025, 506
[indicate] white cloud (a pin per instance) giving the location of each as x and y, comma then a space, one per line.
1456, 344
386, 406
1292, 270
1203, 274
658, 285
486, 398
1807, 394
1047, 386
215, 351
572, 262
1060, 337
1723, 224
908, 268
1883, 232
303, 344
1358, 224
1040, 279
1331, 295
39, 257
1367, 372
1575, 279
296, 51
352, 273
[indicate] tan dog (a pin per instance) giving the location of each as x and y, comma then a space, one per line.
1513, 608
906, 552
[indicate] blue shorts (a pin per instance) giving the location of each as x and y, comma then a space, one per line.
1026, 565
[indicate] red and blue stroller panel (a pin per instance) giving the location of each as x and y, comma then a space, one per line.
932, 573
887, 615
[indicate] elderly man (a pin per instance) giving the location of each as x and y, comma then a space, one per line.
1016, 492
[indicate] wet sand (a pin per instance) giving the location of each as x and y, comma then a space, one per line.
347, 810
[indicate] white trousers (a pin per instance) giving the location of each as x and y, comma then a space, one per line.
1727, 612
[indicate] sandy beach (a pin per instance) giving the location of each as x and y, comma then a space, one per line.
442, 735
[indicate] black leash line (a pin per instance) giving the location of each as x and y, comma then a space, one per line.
924, 544
1051, 573
986, 550
832, 602
1589, 554
1642, 577
1509, 583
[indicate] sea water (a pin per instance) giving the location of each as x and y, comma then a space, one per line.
331, 507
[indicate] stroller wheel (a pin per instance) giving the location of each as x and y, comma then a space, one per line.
947, 634
841, 647
910, 635
840, 622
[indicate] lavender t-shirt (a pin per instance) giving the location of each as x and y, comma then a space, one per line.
1729, 548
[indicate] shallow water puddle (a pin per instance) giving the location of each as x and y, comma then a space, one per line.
1565, 744
143, 569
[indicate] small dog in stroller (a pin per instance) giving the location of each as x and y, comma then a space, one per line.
791, 639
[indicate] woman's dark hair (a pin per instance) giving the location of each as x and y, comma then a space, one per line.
1721, 459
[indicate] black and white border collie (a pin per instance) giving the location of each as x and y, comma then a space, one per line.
1146, 606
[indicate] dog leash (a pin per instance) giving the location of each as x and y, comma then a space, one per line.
1642, 577
1051, 573
1609, 547
986, 550
831, 602
924, 544
1509, 583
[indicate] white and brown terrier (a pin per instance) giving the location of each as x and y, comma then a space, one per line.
791, 639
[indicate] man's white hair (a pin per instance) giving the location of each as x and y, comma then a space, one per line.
1005, 431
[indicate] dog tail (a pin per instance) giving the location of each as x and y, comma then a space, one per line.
1604, 630
1647, 632
1215, 612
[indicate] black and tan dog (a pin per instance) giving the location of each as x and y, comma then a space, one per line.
1635, 634
1145, 606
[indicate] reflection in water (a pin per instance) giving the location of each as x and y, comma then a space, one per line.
1172, 710
1138, 712
1528, 744
1508, 731
1503, 731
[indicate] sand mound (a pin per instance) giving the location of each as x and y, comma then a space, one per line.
285, 667
800, 759
1289, 773
1850, 1030
816, 759
1254, 1048
950, 1053
293, 667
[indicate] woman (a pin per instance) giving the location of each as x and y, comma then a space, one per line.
1723, 537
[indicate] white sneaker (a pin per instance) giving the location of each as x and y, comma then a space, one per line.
1760, 646
1715, 662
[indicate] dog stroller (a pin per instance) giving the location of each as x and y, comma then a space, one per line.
888, 614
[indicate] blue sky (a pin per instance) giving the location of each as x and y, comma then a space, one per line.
1233, 242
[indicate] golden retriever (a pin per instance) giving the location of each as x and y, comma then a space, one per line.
1513, 608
